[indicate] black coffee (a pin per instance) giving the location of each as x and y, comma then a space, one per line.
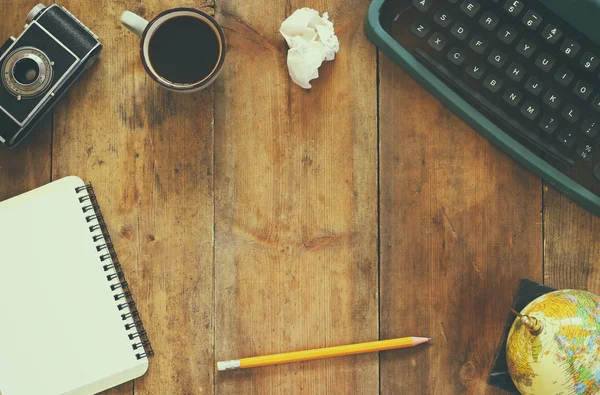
184, 50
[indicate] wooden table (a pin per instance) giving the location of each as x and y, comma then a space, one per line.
257, 217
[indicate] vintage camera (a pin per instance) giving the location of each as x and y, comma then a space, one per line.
39, 66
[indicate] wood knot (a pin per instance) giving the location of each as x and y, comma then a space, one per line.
467, 373
320, 241
307, 160
150, 237
126, 232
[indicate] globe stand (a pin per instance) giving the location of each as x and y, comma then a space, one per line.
528, 291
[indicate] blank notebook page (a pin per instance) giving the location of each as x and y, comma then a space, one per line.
60, 329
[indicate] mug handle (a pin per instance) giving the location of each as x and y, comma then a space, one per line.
134, 22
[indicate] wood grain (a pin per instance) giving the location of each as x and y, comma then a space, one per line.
571, 245
26, 167
296, 204
148, 153
246, 216
460, 225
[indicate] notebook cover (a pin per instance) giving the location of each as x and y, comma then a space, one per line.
527, 292
68, 323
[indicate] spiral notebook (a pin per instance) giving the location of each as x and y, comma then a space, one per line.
68, 322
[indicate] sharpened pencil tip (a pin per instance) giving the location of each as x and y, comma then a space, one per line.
421, 340
431, 338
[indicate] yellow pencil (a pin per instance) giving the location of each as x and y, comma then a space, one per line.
298, 356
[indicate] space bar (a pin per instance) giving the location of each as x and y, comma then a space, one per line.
519, 129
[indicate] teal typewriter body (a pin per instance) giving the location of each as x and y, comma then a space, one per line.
525, 74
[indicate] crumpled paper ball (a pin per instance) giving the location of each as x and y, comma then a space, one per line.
312, 40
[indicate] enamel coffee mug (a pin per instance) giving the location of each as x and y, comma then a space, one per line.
183, 49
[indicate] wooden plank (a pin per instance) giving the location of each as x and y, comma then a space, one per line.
149, 154
27, 166
460, 225
296, 204
571, 244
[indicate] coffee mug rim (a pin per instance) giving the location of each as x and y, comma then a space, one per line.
198, 85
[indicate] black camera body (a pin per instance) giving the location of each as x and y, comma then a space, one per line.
39, 66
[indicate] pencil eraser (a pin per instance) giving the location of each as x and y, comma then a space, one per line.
228, 365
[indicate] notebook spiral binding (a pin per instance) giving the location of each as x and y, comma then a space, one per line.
110, 263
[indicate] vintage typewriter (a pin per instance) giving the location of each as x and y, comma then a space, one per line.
525, 74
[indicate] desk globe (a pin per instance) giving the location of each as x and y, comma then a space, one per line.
553, 346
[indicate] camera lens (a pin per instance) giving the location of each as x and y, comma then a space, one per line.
26, 71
